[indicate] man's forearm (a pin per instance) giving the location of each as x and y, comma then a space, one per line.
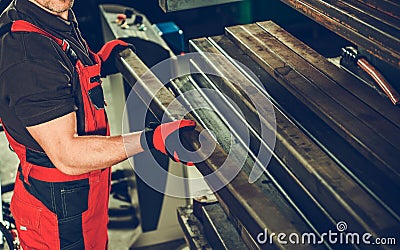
73, 154
88, 153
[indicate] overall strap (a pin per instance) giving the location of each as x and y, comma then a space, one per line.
25, 26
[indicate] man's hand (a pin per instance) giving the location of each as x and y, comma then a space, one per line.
166, 139
108, 55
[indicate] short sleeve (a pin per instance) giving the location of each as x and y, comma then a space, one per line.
40, 91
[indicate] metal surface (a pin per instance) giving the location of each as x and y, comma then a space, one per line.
243, 200
219, 230
306, 168
193, 229
150, 46
176, 5
389, 7
344, 79
369, 132
109, 14
307, 187
365, 174
248, 204
371, 25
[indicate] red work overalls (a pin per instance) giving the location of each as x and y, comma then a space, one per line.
53, 210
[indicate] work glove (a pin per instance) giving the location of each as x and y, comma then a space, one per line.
108, 55
166, 138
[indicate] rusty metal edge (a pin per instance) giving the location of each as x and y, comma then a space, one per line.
388, 55
252, 222
289, 76
299, 152
342, 77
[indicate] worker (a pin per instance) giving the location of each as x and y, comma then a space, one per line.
52, 108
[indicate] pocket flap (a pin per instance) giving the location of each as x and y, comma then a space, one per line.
97, 97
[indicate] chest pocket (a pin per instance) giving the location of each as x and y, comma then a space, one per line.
92, 97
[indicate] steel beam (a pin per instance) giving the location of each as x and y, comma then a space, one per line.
361, 170
176, 5
341, 77
219, 230
359, 26
357, 130
252, 211
306, 168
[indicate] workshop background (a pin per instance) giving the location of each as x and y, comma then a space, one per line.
331, 70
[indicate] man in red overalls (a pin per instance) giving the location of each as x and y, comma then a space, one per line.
52, 108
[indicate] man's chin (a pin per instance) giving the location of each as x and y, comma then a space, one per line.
62, 10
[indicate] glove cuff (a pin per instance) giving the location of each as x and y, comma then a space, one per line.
146, 139
107, 49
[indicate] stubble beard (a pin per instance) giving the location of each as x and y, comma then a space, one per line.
58, 8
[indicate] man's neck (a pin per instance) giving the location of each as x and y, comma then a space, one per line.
63, 15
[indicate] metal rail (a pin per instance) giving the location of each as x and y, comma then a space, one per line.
371, 25
178, 5
355, 128
246, 202
365, 174
276, 162
305, 162
307, 186
342, 78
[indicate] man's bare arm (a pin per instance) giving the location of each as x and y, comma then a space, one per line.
73, 154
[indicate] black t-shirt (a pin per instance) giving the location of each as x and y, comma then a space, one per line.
37, 80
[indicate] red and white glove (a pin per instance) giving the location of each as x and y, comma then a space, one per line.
166, 139
108, 55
